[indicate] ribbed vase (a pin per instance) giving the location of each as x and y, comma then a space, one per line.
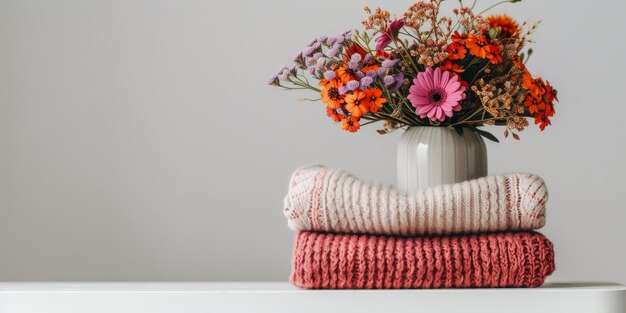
431, 156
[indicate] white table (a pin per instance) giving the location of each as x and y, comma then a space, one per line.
277, 297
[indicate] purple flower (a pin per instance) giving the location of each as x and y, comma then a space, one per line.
385, 38
284, 75
328, 75
382, 71
366, 82
372, 73
359, 74
316, 45
331, 41
307, 52
298, 57
333, 52
390, 63
273, 80
340, 40
368, 58
399, 80
311, 69
353, 84
352, 65
343, 90
322, 38
320, 63
347, 35
389, 80
318, 55
356, 58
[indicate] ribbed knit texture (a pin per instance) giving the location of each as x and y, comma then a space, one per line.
338, 261
324, 199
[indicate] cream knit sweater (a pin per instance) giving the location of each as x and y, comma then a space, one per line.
323, 199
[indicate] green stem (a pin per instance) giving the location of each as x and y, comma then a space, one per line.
465, 119
408, 54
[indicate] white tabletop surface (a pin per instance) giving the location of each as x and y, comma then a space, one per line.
181, 297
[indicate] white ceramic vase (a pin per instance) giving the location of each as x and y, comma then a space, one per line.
430, 156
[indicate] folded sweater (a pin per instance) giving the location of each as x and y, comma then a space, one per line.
324, 199
342, 261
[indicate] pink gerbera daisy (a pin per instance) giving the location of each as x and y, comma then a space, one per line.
436, 94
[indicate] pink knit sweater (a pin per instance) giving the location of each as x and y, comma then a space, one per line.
332, 200
339, 261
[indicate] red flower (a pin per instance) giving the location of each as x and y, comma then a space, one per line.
456, 51
542, 121
385, 38
539, 99
451, 67
533, 103
459, 38
352, 49
494, 57
551, 93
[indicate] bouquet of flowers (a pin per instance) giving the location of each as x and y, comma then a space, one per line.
423, 69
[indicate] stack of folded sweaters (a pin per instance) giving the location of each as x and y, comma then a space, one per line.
355, 235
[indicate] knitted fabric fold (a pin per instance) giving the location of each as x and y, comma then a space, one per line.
324, 199
343, 261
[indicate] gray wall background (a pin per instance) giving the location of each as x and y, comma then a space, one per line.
139, 140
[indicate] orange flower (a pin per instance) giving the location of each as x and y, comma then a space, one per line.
345, 74
517, 62
518, 75
334, 114
478, 45
481, 47
375, 99
538, 87
494, 55
350, 124
508, 26
368, 68
459, 38
527, 80
456, 51
357, 103
451, 67
330, 94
